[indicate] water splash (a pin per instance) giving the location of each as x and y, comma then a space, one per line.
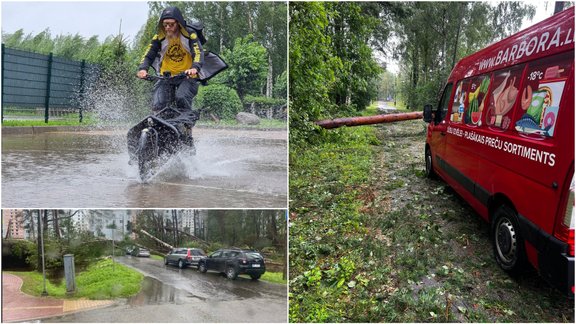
212, 160
119, 104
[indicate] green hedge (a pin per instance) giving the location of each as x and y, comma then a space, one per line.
220, 100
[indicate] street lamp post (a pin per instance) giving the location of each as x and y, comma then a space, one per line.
113, 250
44, 292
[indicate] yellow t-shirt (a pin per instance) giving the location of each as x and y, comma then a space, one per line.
177, 59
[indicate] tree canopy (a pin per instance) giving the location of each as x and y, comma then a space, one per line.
336, 51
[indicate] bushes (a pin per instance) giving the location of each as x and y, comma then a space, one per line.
15, 253
219, 100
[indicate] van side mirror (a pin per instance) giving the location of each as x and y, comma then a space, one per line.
427, 113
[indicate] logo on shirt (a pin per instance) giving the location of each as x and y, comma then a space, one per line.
176, 53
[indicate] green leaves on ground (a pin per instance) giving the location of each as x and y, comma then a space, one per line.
373, 240
326, 186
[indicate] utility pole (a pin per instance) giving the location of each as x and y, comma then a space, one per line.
44, 292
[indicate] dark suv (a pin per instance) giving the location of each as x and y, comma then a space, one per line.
184, 257
234, 262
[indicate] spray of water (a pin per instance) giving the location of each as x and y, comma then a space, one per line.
212, 160
118, 105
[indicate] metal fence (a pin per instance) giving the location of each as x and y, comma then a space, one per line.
36, 85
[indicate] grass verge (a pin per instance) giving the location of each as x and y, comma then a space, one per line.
157, 257
275, 277
89, 121
101, 280
328, 232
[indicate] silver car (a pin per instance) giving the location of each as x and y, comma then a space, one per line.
183, 257
140, 252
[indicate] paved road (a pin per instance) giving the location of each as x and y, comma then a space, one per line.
170, 294
385, 108
232, 169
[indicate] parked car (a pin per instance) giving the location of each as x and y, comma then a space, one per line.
234, 262
140, 252
502, 136
184, 257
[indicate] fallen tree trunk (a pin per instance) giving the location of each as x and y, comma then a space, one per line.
156, 239
367, 120
187, 234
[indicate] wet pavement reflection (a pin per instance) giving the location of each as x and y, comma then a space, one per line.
90, 170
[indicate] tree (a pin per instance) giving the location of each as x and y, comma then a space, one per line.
312, 66
507, 18
351, 29
281, 85
247, 66
434, 36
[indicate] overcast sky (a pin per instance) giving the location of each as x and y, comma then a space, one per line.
87, 18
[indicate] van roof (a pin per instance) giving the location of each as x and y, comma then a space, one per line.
551, 36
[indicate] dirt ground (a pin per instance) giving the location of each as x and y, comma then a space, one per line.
440, 247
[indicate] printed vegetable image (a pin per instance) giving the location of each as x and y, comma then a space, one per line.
535, 108
474, 98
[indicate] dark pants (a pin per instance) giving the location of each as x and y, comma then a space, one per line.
186, 90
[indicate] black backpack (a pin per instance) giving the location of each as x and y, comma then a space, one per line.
197, 27
213, 64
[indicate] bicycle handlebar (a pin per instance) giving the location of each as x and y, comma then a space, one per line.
178, 76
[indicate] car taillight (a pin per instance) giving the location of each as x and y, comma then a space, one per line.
565, 230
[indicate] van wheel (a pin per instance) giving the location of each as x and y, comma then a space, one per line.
181, 264
255, 276
202, 268
231, 273
428, 161
507, 240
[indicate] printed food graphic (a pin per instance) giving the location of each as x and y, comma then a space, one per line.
501, 101
541, 108
476, 102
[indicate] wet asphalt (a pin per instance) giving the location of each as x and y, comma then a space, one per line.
232, 169
174, 295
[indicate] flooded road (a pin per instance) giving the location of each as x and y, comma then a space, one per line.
170, 294
232, 169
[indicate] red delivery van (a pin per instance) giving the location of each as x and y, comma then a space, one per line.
502, 136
